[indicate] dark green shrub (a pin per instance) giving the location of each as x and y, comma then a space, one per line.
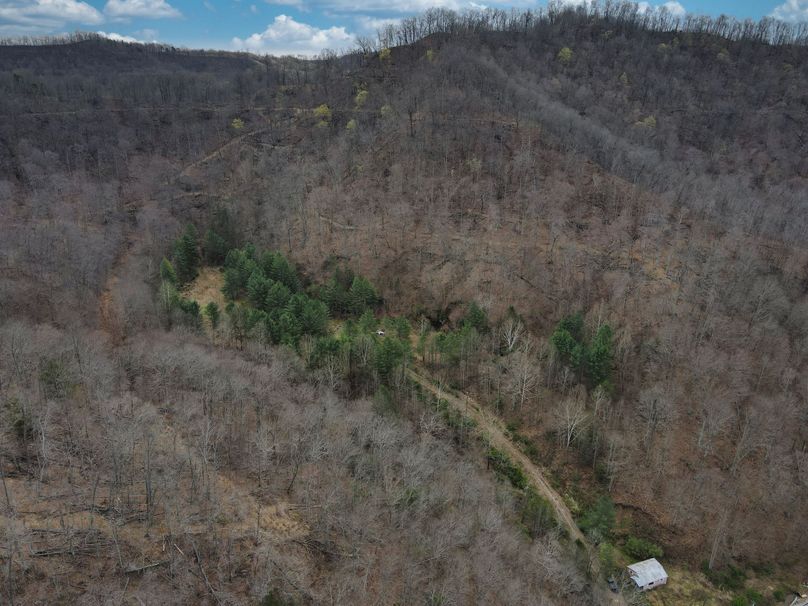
606, 557
213, 313
408, 498
593, 359
273, 598
503, 466
730, 578
190, 311
642, 549
536, 513
597, 522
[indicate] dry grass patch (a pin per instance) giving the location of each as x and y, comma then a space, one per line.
207, 287
687, 587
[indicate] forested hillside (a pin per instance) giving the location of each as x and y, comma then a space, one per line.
591, 221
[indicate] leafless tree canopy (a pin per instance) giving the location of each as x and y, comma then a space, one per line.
646, 170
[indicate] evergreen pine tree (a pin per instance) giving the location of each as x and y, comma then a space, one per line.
363, 295
330, 293
267, 262
289, 329
476, 317
314, 319
367, 323
388, 354
190, 311
213, 313
214, 247
232, 283
277, 297
283, 272
186, 255
563, 342
599, 358
257, 289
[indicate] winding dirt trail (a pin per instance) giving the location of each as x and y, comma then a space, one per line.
217, 153
496, 434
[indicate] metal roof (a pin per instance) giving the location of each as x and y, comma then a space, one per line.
647, 571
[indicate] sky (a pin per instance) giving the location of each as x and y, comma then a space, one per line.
296, 27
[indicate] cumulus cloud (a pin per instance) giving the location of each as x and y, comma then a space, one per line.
675, 9
118, 37
285, 36
792, 10
39, 16
148, 9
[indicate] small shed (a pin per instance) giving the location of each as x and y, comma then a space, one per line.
648, 574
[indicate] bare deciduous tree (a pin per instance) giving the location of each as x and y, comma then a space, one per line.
571, 418
511, 332
656, 408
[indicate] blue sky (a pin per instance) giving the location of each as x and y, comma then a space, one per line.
300, 27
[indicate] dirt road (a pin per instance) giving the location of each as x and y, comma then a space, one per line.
496, 434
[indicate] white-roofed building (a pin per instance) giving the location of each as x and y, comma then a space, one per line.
648, 574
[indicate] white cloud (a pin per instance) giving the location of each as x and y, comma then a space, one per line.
41, 16
148, 9
285, 36
675, 8
367, 24
118, 37
792, 10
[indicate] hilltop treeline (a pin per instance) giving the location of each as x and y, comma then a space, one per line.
618, 16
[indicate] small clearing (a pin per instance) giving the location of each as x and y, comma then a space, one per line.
206, 288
